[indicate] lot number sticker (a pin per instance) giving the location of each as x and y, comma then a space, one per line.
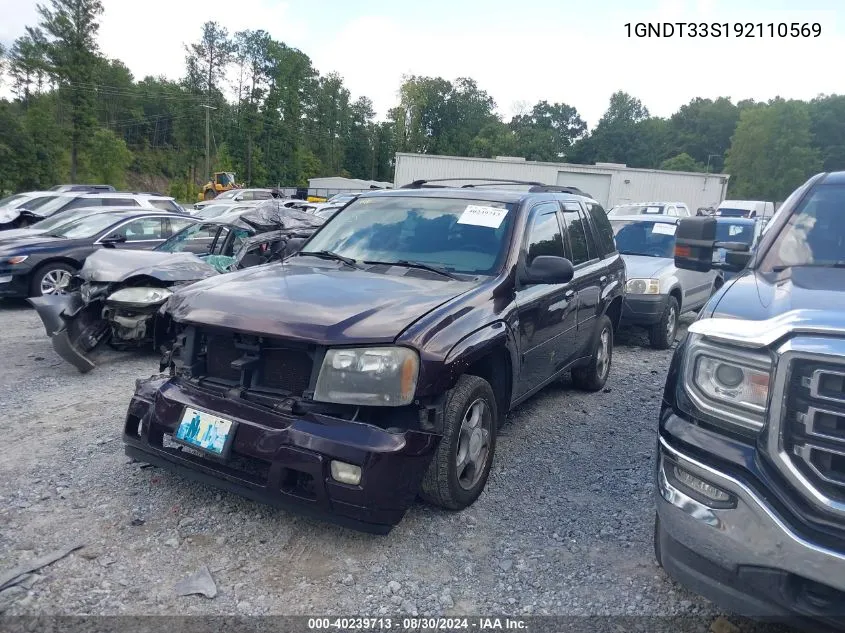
652, 210
478, 215
664, 229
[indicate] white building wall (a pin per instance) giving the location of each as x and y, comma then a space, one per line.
609, 185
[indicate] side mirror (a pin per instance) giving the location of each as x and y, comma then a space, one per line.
737, 260
111, 240
548, 269
695, 240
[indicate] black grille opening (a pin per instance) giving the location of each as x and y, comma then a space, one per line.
285, 369
832, 385
220, 352
830, 423
298, 483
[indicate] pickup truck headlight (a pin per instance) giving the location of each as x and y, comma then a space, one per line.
375, 376
140, 296
728, 383
643, 286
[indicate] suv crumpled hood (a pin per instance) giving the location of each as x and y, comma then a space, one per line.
758, 296
109, 265
314, 304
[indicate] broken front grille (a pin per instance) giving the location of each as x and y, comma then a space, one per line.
255, 363
814, 424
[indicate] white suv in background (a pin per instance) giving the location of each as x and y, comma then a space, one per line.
15, 218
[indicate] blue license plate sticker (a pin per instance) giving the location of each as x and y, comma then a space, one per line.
204, 430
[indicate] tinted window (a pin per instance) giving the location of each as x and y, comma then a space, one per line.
164, 205
604, 232
78, 203
814, 235
143, 229
545, 237
577, 236
119, 202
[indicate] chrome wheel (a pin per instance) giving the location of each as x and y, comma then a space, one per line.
671, 324
473, 444
603, 354
55, 282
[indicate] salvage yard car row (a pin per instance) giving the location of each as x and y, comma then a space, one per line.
345, 366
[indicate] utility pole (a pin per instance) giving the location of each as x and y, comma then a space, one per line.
208, 109
709, 156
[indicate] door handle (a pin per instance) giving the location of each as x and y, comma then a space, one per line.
569, 294
603, 279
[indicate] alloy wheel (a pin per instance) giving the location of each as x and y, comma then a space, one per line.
474, 444
55, 282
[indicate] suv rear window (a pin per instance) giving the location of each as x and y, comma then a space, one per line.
603, 232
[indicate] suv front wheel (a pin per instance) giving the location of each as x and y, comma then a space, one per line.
459, 471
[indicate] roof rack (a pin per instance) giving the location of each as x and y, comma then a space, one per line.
533, 186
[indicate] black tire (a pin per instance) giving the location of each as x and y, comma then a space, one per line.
592, 377
658, 555
662, 335
45, 271
442, 484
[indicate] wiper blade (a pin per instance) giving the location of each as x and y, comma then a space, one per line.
331, 255
421, 265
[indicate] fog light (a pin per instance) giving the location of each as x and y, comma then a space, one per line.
700, 486
346, 473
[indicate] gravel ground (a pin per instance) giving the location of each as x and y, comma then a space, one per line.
564, 527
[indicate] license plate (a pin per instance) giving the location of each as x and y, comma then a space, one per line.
205, 431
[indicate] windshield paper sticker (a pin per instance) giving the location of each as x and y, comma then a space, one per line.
664, 229
650, 210
483, 216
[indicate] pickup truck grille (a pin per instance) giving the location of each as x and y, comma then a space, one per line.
813, 424
255, 363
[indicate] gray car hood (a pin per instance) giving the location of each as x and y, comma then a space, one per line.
110, 265
645, 267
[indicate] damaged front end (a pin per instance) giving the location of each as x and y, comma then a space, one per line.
81, 321
359, 466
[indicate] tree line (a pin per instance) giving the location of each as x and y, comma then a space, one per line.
81, 117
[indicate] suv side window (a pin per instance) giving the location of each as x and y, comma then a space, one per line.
544, 237
577, 236
603, 230
81, 203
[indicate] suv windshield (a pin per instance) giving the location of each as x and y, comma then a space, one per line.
652, 239
56, 204
635, 209
459, 235
814, 235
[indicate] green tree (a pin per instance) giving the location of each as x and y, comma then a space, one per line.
548, 132
109, 159
616, 138
771, 152
71, 29
27, 64
682, 162
827, 126
213, 53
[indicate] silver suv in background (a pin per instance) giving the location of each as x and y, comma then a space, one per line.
658, 292
240, 195
671, 209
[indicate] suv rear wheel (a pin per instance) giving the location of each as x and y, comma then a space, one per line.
461, 465
592, 377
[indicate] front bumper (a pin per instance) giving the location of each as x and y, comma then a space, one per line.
284, 460
748, 558
643, 309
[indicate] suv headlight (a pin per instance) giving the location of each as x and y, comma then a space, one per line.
375, 376
140, 296
643, 286
728, 383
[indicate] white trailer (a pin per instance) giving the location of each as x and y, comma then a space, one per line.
609, 183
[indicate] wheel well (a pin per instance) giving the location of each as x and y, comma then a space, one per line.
676, 292
614, 312
59, 260
495, 368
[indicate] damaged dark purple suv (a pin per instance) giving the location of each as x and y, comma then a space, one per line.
376, 364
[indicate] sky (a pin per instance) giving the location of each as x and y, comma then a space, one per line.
520, 52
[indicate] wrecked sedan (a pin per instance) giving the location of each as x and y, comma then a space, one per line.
115, 298
378, 362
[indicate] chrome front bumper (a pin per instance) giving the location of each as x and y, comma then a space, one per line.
750, 535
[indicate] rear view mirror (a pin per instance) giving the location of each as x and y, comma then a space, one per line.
548, 269
695, 240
